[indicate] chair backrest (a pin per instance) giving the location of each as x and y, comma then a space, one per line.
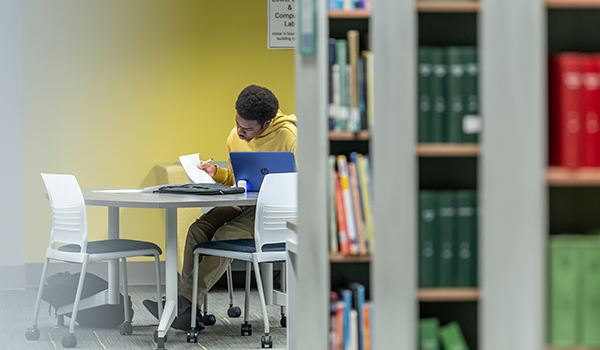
69, 218
277, 203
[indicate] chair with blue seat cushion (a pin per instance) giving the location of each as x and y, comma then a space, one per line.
276, 204
69, 227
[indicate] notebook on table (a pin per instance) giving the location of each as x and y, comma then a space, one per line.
253, 166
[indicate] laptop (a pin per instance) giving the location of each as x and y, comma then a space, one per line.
253, 166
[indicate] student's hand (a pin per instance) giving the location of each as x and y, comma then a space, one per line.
210, 169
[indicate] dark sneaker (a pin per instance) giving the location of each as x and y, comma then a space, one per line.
184, 320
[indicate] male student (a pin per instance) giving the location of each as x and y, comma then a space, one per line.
260, 126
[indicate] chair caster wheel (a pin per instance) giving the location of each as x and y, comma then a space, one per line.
234, 311
126, 328
69, 341
283, 321
192, 336
32, 334
156, 337
246, 329
209, 320
266, 341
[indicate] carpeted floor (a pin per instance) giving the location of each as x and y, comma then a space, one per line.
16, 310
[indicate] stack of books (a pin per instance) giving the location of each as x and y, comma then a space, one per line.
574, 98
349, 209
350, 85
447, 238
350, 319
448, 105
574, 291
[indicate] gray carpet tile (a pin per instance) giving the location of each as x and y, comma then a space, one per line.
16, 311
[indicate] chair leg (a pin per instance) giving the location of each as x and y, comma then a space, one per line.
195, 290
70, 341
233, 311
158, 286
125, 328
283, 284
266, 340
33, 333
247, 327
192, 333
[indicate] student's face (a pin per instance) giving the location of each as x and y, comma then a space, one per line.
249, 129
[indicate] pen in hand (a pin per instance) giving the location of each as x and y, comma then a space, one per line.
207, 161
210, 170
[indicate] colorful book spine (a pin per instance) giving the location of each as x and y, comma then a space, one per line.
357, 201
466, 238
564, 293
452, 337
455, 89
344, 240
331, 212
365, 181
424, 91
590, 302
471, 87
447, 232
438, 94
428, 239
342, 62
348, 204
565, 110
428, 334
590, 81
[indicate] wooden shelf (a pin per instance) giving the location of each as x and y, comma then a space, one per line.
349, 135
448, 150
349, 14
340, 258
448, 294
447, 6
572, 4
579, 177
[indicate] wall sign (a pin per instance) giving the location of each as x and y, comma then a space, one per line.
282, 24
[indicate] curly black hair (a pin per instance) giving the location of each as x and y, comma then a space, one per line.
257, 103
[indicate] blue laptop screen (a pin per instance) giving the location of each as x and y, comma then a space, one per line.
253, 166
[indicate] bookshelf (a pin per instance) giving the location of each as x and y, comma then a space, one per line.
511, 165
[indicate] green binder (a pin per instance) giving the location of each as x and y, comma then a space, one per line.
425, 98
466, 274
471, 87
455, 89
428, 242
447, 231
438, 93
452, 338
428, 334
590, 331
564, 292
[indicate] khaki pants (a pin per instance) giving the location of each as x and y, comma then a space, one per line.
220, 223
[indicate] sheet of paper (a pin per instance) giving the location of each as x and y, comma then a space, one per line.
121, 190
190, 163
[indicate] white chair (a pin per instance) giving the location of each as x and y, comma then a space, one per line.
276, 204
69, 225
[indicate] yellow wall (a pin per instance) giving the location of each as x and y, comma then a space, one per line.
113, 87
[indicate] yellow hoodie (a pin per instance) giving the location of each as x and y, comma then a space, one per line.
280, 136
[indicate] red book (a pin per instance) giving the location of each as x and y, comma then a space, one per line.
565, 109
591, 109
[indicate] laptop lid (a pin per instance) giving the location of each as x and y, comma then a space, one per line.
253, 166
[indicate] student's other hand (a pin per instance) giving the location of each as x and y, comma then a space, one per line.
210, 169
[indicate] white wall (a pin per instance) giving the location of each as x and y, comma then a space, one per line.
12, 250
